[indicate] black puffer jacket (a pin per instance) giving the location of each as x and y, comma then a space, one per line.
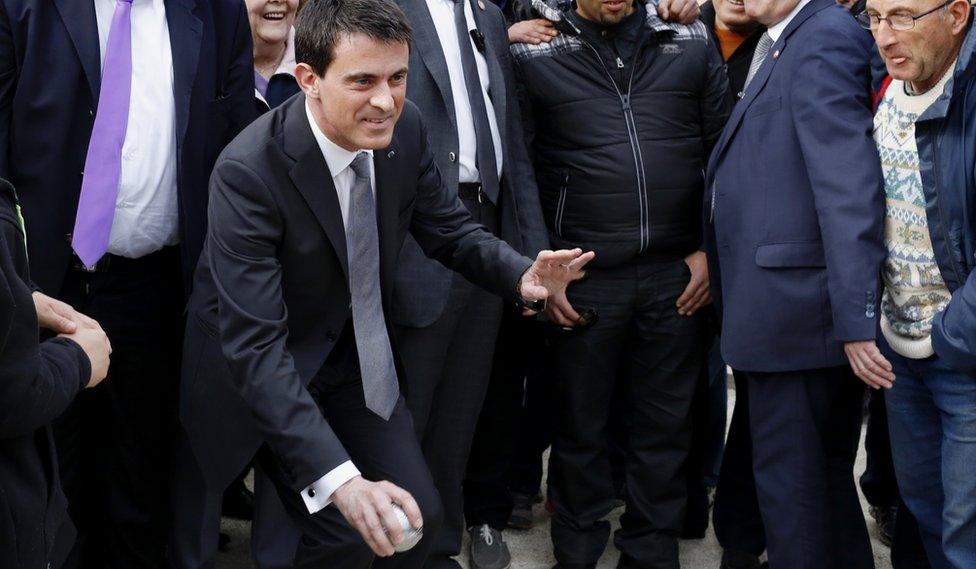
620, 148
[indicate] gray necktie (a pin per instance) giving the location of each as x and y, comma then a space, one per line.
762, 50
380, 386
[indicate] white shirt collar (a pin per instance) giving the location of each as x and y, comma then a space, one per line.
337, 158
777, 30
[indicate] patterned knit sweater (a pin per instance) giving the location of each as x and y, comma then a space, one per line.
914, 289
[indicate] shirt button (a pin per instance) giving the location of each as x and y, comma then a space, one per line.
311, 492
452, 156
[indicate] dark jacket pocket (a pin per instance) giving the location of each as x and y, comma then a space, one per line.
791, 255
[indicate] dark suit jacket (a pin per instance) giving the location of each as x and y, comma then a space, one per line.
271, 293
49, 81
799, 205
422, 285
37, 382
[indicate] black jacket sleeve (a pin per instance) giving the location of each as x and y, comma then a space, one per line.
37, 381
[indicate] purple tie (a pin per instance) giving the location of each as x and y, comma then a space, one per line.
100, 184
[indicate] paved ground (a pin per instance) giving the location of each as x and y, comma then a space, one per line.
532, 549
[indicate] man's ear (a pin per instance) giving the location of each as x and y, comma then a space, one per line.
960, 10
306, 78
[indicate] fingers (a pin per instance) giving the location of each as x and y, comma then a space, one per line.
392, 528
561, 257
687, 295
62, 324
871, 367
664, 9
688, 13
581, 261
701, 298
371, 529
403, 499
561, 311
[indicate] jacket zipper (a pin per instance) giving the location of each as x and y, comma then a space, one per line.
645, 226
561, 205
945, 234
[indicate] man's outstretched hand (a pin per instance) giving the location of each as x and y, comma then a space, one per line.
548, 278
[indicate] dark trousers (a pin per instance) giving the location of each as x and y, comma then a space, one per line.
115, 441
506, 454
196, 519
878, 480
447, 366
640, 340
381, 450
736, 518
805, 432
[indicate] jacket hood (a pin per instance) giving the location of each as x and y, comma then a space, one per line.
552, 10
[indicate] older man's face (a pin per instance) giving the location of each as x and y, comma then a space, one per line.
770, 12
920, 55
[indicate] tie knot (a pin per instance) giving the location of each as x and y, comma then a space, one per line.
360, 165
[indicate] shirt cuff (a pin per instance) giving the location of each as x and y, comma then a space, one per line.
319, 494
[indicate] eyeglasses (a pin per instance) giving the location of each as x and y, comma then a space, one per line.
897, 22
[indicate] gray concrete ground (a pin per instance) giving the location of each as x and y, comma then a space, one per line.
532, 549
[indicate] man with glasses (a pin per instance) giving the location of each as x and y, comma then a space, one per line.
927, 142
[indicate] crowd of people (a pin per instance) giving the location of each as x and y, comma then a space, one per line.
385, 253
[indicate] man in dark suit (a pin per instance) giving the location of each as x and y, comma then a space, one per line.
462, 84
111, 115
290, 354
796, 207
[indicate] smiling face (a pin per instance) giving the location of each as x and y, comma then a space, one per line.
271, 20
769, 12
357, 102
606, 12
920, 55
731, 15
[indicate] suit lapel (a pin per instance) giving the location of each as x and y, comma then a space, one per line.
311, 176
426, 42
759, 81
79, 19
185, 33
389, 181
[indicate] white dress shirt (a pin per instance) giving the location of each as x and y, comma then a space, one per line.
775, 31
146, 211
338, 160
442, 13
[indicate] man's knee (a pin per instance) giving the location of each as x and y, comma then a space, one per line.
431, 508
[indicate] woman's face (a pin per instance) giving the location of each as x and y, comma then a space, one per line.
271, 19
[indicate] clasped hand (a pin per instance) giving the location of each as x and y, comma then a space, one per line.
62, 319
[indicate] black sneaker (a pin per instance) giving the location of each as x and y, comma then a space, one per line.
885, 518
488, 549
521, 517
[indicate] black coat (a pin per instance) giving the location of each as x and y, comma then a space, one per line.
37, 382
49, 82
271, 296
619, 149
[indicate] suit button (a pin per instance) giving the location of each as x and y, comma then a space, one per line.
332, 336
311, 492
67, 237
452, 156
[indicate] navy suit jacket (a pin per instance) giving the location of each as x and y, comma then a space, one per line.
422, 285
50, 74
796, 238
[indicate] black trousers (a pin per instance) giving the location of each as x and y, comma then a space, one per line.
115, 441
447, 366
381, 450
805, 431
738, 523
196, 519
878, 480
642, 341
512, 432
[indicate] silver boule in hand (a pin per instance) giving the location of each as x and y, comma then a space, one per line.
411, 535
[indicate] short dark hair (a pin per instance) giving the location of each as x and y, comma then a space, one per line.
322, 23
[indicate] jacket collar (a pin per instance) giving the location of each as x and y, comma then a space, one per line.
962, 73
